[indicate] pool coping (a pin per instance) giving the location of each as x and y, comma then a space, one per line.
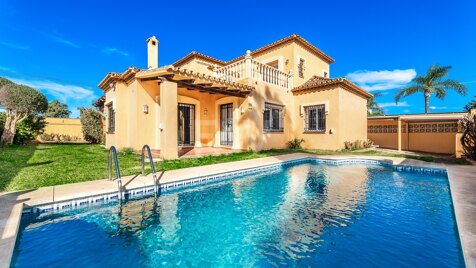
45, 199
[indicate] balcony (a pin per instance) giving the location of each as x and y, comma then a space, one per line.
249, 68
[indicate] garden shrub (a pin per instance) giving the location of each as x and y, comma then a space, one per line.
91, 121
127, 151
295, 143
27, 130
358, 144
60, 138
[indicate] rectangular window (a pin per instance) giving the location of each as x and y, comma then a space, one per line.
315, 118
301, 67
273, 118
111, 119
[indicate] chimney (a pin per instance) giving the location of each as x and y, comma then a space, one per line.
152, 53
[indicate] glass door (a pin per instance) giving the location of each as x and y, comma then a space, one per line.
186, 124
226, 124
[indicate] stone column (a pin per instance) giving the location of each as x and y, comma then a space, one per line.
168, 120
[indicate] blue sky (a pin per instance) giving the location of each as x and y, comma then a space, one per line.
64, 48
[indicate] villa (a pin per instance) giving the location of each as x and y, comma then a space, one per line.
259, 100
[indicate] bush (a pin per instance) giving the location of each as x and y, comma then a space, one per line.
58, 137
27, 130
295, 143
348, 145
358, 144
91, 121
368, 143
47, 137
127, 151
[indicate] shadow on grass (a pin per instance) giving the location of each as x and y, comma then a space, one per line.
39, 164
13, 159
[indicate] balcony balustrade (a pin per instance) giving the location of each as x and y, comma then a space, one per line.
249, 68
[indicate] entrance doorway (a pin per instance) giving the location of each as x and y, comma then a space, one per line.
226, 124
186, 124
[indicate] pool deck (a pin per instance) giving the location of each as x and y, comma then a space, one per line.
462, 182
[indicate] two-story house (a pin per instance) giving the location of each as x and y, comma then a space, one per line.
257, 101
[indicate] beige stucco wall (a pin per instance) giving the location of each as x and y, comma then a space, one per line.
199, 65
459, 146
432, 142
64, 126
252, 126
352, 117
290, 53
313, 65
346, 118
387, 140
118, 98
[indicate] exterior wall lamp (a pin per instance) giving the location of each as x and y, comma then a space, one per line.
205, 112
145, 109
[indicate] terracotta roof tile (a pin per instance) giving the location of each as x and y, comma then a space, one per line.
317, 82
126, 76
293, 37
194, 54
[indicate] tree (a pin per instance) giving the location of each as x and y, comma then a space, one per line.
470, 105
372, 106
91, 120
19, 102
433, 82
58, 110
468, 139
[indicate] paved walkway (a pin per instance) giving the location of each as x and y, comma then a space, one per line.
462, 181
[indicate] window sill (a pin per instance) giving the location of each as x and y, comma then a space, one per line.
273, 131
110, 132
314, 132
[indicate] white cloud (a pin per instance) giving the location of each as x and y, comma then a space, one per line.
406, 111
382, 80
444, 108
61, 40
113, 50
393, 104
62, 92
16, 46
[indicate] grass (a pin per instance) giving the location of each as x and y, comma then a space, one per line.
34, 166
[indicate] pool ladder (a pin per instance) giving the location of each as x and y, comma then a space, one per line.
152, 166
113, 156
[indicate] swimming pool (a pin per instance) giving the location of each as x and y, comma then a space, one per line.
306, 214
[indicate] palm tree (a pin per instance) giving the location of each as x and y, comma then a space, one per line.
470, 105
433, 82
372, 106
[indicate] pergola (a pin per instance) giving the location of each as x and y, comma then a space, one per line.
195, 81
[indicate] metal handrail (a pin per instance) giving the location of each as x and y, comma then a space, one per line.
154, 175
113, 153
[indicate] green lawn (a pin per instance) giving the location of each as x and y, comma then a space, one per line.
33, 166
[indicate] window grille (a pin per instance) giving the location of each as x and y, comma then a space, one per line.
111, 119
301, 67
315, 118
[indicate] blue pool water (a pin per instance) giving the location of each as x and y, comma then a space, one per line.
300, 215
